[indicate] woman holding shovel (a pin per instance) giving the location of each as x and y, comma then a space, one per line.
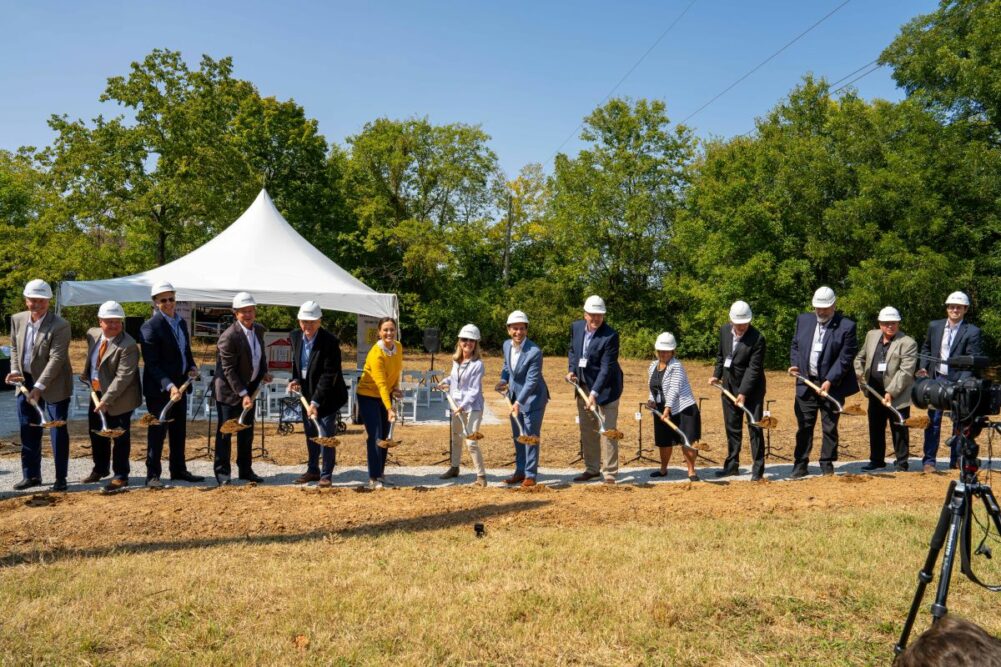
671, 396
378, 386
464, 390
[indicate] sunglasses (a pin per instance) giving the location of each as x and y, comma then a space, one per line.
166, 299
466, 340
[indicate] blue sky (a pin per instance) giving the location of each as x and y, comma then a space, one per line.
527, 72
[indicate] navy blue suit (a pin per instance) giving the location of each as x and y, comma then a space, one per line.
165, 364
966, 341
528, 389
834, 364
602, 375
323, 385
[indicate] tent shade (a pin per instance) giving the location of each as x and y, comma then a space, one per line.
260, 253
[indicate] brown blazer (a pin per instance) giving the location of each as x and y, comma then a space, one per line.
901, 362
118, 372
50, 361
233, 366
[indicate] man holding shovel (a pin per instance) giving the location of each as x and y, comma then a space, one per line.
822, 351
525, 388
593, 364
168, 363
886, 362
740, 371
112, 372
39, 360
241, 367
316, 374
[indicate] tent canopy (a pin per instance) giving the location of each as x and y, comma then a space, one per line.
260, 253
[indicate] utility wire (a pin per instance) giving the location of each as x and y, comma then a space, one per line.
765, 61
861, 76
626, 75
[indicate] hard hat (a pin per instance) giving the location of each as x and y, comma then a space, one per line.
160, 287
665, 342
740, 312
824, 297
594, 305
470, 331
38, 289
517, 317
111, 310
310, 311
958, 298
889, 314
242, 300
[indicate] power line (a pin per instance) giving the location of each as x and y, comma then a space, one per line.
861, 76
871, 62
765, 61
626, 75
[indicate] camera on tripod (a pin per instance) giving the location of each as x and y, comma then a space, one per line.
970, 400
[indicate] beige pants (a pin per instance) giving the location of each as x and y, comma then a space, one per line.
599, 451
473, 418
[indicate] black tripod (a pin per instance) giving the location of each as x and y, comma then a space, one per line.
953, 529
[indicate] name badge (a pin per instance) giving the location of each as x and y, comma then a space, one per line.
943, 369
582, 363
728, 362
881, 367
818, 347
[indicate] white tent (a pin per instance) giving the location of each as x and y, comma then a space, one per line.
260, 253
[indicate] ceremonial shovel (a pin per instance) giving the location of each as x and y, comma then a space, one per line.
917, 421
524, 439
764, 422
237, 425
611, 434
388, 441
149, 420
667, 420
475, 435
850, 410
321, 439
55, 423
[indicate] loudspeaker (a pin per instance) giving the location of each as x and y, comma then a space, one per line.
133, 325
432, 342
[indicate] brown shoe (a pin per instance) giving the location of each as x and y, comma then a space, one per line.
929, 468
585, 476
481, 481
528, 481
515, 478
324, 483
116, 484
609, 480
94, 476
307, 477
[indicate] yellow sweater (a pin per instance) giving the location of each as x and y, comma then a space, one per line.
381, 374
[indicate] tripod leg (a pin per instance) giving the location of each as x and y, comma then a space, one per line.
925, 576
959, 507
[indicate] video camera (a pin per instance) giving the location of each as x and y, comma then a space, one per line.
969, 400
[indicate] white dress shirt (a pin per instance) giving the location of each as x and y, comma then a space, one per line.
817, 346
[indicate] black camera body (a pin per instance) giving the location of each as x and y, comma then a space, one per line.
968, 399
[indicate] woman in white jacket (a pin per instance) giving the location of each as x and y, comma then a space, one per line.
465, 386
671, 394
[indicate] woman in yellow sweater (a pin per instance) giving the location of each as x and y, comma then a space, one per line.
379, 385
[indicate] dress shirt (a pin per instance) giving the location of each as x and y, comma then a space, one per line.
95, 359
30, 333
515, 355
307, 349
818, 342
948, 335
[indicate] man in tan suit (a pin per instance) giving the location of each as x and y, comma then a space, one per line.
886, 362
241, 367
112, 371
40, 342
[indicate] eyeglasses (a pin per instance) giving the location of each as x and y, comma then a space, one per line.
166, 299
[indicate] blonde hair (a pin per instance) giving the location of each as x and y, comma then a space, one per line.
475, 356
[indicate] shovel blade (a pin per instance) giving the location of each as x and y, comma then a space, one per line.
55, 423
475, 435
767, 422
918, 421
386, 444
613, 434
327, 441
529, 440
853, 410
232, 426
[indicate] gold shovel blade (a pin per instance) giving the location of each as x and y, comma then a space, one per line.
386, 444
111, 433
529, 440
148, 420
55, 423
613, 434
475, 435
853, 410
917, 421
232, 426
328, 441
767, 422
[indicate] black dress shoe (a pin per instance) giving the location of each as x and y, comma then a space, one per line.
901, 467
868, 467
93, 477
727, 472
251, 476
60, 485
221, 479
27, 483
799, 473
187, 477
827, 470
757, 478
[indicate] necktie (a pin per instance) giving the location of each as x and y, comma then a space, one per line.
96, 383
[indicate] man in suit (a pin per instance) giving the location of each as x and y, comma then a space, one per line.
316, 373
886, 362
822, 350
951, 337
241, 366
740, 367
593, 362
168, 364
112, 372
521, 378
40, 341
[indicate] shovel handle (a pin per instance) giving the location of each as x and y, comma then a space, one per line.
875, 394
458, 413
667, 420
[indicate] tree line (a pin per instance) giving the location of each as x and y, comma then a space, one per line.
888, 203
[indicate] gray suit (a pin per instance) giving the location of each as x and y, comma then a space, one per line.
50, 361
901, 361
118, 372
234, 373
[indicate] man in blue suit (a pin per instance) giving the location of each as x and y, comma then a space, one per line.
168, 362
593, 362
823, 349
522, 379
951, 337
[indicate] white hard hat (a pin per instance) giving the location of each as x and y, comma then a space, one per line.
517, 317
471, 331
310, 311
242, 300
37, 289
824, 297
594, 305
111, 310
889, 314
740, 312
665, 342
161, 287
958, 298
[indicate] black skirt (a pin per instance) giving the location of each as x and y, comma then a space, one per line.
688, 420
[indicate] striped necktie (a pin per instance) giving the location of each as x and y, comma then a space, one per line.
96, 383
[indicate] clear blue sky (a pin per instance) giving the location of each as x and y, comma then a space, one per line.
528, 72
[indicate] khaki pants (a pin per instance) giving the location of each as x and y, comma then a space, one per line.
473, 418
599, 451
